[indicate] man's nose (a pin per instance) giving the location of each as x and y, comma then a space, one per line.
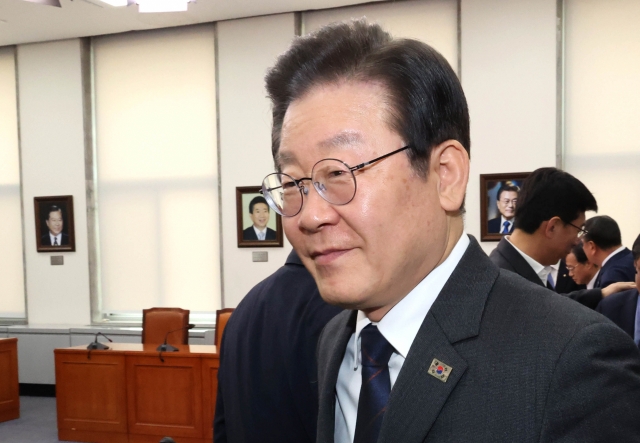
316, 212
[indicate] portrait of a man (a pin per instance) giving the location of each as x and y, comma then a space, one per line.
54, 223
258, 225
506, 200
259, 214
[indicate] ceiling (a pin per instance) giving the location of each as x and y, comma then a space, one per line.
26, 22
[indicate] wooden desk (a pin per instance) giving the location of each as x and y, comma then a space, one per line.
9, 388
128, 395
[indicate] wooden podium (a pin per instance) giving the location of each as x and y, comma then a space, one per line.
9, 388
127, 394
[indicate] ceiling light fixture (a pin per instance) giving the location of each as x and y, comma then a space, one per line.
162, 5
46, 2
116, 2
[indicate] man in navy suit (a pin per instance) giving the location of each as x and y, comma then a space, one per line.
602, 244
267, 383
506, 202
624, 308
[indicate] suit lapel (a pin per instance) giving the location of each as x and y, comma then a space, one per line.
417, 397
337, 339
518, 262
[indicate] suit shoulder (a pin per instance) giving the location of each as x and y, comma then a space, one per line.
539, 307
617, 299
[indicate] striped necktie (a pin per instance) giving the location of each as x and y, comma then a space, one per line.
376, 384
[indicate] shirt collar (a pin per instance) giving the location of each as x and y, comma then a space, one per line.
401, 324
621, 248
592, 283
540, 270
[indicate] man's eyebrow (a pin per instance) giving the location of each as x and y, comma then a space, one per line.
340, 140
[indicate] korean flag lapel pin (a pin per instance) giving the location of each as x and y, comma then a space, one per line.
440, 370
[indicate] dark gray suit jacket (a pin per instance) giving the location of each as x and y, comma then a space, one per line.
506, 257
528, 366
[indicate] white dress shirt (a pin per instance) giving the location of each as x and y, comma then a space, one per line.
542, 271
399, 326
261, 234
592, 283
57, 238
502, 220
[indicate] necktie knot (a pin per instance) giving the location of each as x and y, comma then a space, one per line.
376, 350
505, 227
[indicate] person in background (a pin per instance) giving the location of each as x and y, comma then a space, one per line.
602, 243
549, 222
267, 382
624, 308
506, 201
581, 270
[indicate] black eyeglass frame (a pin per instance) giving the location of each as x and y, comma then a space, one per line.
581, 231
305, 190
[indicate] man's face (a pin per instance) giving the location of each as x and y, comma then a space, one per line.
369, 253
637, 265
580, 273
507, 204
260, 215
54, 222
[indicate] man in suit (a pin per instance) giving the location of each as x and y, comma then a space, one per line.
267, 383
55, 223
602, 244
259, 213
506, 201
473, 353
549, 219
581, 270
624, 308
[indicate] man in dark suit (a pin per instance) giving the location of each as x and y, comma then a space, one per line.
440, 344
506, 201
549, 219
602, 244
55, 223
259, 213
267, 383
624, 308
580, 269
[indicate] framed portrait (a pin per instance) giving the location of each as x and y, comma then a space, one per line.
498, 201
258, 225
54, 223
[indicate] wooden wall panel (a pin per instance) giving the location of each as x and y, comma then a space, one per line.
9, 391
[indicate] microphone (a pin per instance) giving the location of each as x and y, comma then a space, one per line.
168, 348
98, 346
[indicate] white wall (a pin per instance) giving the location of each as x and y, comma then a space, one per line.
603, 105
246, 49
52, 147
509, 69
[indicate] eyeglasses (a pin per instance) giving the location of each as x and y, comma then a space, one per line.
333, 179
571, 268
581, 231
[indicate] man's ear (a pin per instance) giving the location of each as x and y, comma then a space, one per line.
552, 226
450, 163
